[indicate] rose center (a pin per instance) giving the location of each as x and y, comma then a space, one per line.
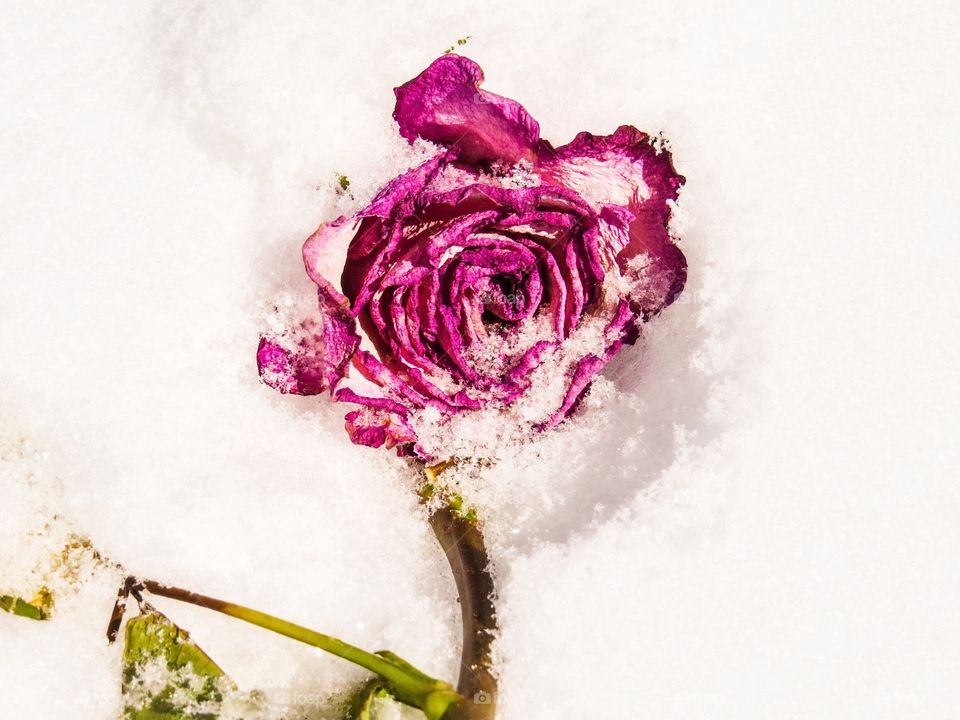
510, 296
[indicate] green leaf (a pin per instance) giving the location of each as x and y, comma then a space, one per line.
166, 676
36, 609
359, 705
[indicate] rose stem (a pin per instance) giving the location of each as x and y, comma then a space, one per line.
462, 542
411, 685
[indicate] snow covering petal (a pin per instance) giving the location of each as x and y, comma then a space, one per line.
310, 358
314, 355
375, 427
627, 169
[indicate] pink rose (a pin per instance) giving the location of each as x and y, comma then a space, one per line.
495, 280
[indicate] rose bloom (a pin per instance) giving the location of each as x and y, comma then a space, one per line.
475, 298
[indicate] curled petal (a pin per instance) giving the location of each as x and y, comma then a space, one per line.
378, 403
379, 422
445, 105
324, 253
583, 375
405, 187
621, 330
275, 364
375, 428
657, 276
626, 169
310, 358
313, 356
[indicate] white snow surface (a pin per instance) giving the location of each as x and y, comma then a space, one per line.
755, 515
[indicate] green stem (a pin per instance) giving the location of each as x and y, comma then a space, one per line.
410, 685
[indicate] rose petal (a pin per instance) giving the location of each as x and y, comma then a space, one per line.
380, 403
406, 187
275, 365
314, 355
310, 358
622, 329
626, 169
375, 428
445, 105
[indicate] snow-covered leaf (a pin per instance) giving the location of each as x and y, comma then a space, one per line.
166, 675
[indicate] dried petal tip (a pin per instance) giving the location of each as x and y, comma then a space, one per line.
445, 105
375, 428
276, 367
306, 360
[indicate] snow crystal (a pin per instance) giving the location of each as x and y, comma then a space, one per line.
753, 513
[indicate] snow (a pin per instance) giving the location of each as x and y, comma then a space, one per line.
755, 515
